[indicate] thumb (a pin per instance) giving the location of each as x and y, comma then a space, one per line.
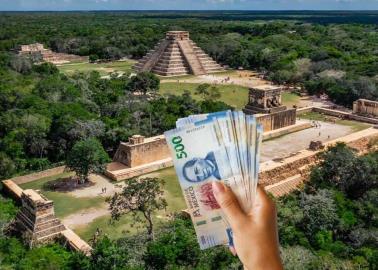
229, 204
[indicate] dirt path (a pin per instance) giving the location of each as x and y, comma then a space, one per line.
243, 78
85, 216
95, 190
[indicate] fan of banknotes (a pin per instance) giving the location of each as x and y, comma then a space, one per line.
222, 146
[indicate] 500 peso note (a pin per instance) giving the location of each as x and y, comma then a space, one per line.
215, 147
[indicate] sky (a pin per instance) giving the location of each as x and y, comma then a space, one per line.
62, 5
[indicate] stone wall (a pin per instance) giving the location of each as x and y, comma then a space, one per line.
277, 120
286, 130
149, 152
340, 114
138, 154
300, 163
34, 176
365, 107
127, 173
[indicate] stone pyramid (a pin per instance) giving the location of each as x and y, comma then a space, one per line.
177, 55
37, 219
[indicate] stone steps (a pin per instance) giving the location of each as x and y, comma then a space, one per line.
49, 231
46, 238
176, 56
191, 57
48, 224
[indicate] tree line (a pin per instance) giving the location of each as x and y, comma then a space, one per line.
337, 59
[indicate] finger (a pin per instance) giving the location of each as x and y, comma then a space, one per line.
263, 204
229, 204
262, 197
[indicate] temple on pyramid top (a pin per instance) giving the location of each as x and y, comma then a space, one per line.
177, 55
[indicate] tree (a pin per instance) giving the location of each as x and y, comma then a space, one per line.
342, 169
51, 257
319, 212
46, 69
21, 64
7, 166
139, 196
297, 257
208, 92
8, 212
87, 156
108, 255
202, 90
176, 244
144, 82
214, 93
93, 58
87, 129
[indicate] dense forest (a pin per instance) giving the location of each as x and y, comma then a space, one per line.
43, 114
339, 59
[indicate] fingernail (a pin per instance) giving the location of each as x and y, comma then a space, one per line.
233, 250
218, 187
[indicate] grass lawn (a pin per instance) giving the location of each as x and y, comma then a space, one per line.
65, 204
356, 126
175, 201
290, 99
103, 68
233, 95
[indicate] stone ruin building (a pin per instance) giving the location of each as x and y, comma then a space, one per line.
366, 107
47, 55
177, 55
36, 219
139, 156
265, 102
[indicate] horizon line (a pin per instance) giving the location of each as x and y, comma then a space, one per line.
187, 10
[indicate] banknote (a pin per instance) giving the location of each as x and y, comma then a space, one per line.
222, 146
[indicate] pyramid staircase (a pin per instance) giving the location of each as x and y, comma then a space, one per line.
37, 218
177, 55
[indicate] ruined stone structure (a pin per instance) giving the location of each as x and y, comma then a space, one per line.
37, 220
177, 55
366, 107
47, 55
265, 103
31, 48
139, 156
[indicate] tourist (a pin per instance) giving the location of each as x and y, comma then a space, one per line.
255, 234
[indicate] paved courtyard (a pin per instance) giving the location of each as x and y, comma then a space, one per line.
288, 144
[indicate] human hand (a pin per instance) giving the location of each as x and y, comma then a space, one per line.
255, 233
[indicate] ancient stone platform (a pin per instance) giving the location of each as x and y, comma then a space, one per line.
37, 220
48, 55
41, 226
139, 156
265, 102
177, 55
366, 107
